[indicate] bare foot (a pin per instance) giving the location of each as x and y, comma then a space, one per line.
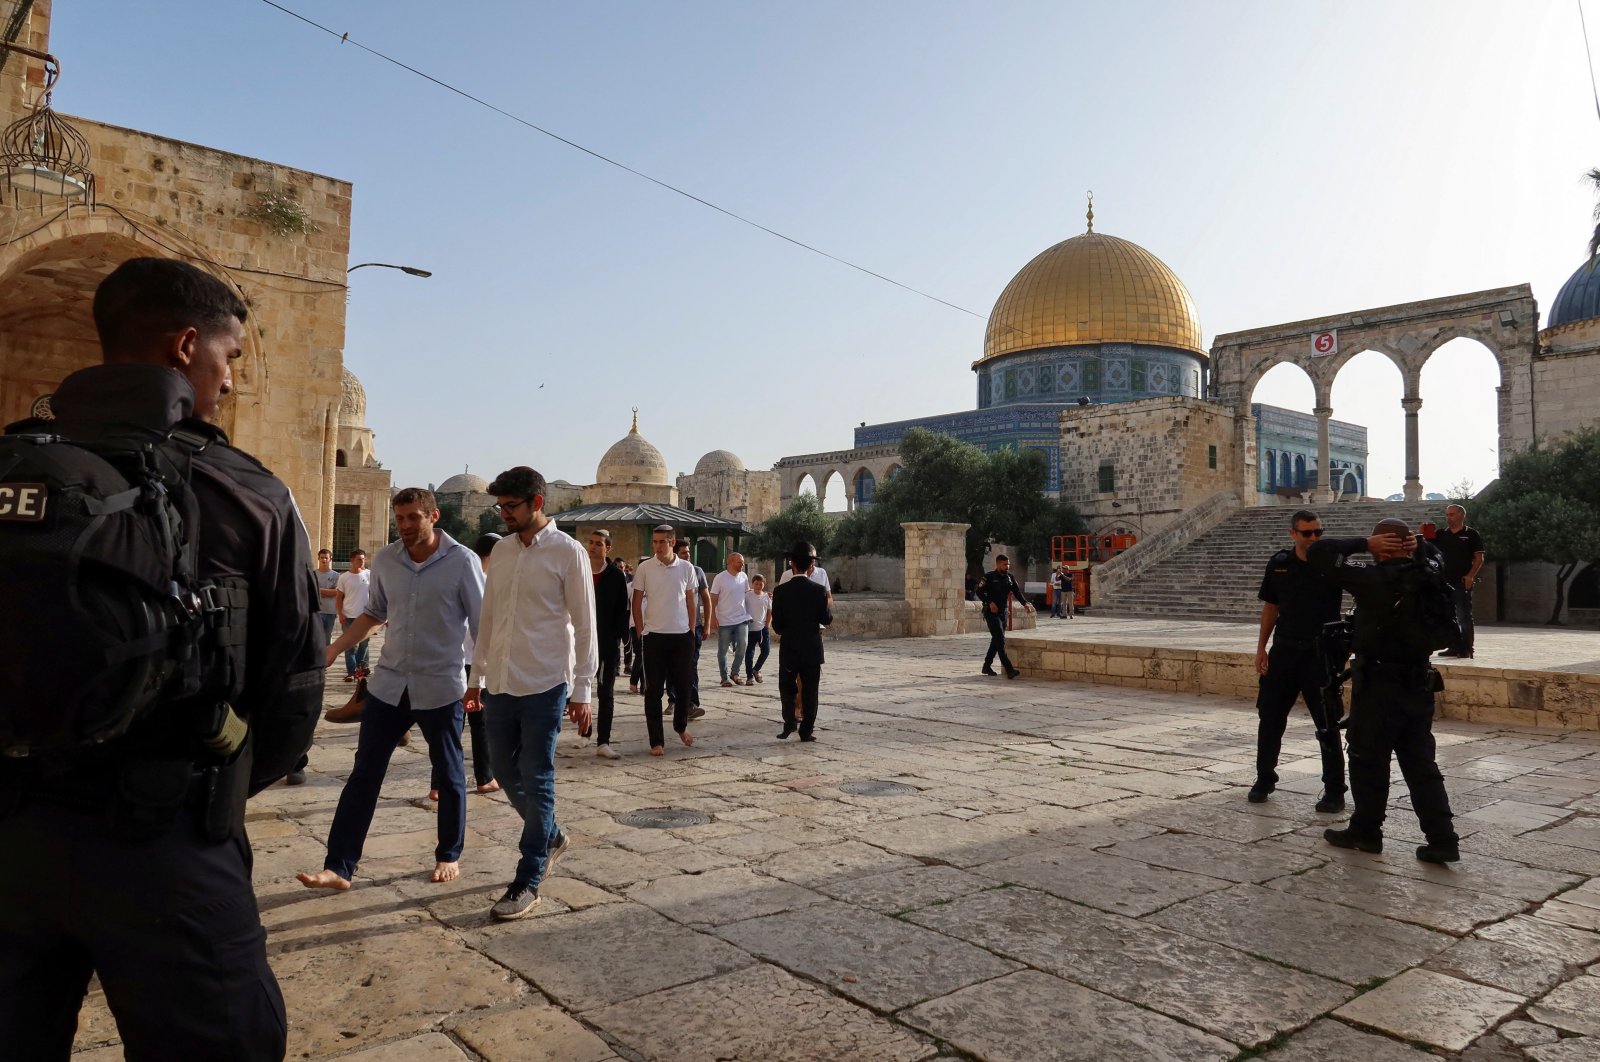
687, 738
323, 879
491, 786
445, 872
657, 750
433, 795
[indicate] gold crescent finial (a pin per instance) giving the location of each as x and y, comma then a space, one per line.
1091, 210
635, 428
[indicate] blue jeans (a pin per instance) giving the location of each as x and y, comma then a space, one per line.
762, 640
326, 619
736, 635
382, 724
522, 747
355, 658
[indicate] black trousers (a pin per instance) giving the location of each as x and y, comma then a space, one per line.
169, 925
636, 661
806, 675
605, 696
1463, 601
1294, 672
667, 657
997, 639
1390, 714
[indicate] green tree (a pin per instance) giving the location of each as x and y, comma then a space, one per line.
489, 520
1593, 177
802, 521
1000, 493
452, 523
1546, 507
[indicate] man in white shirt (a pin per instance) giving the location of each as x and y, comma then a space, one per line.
728, 591
664, 605
536, 655
350, 601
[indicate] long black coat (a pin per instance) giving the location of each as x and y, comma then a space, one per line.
799, 612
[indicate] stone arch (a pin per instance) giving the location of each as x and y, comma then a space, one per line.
806, 484
1381, 375
47, 282
862, 486
833, 486
1460, 379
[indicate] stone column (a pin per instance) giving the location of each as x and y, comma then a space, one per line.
1323, 488
936, 564
1413, 490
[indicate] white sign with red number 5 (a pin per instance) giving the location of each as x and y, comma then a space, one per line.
1324, 344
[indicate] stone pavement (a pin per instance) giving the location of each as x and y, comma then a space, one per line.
1059, 871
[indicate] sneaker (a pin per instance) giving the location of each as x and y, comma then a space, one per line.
1348, 838
1330, 802
696, 712
519, 899
295, 778
1439, 853
1258, 793
557, 850
606, 752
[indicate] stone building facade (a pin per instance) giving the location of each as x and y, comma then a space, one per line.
362, 487
721, 484
162, 197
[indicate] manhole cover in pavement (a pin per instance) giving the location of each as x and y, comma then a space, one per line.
876, 787
662, 818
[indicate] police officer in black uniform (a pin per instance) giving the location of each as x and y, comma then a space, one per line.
995, 589
1392, 688
1296, 600
131, 863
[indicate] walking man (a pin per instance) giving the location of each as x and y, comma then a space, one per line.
428, 588
1392, 688
800, 609
759, 604
327, 594
1462, 548
611, 608
664, 603
536, 657
1296, 600
996, 591
351, 591
728, 592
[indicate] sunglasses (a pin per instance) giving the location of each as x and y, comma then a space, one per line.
1315, 532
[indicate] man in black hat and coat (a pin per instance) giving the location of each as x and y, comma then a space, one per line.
799, 612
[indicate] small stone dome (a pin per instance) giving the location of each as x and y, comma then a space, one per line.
1578, 299
632, 459
718, 461
353, 406
463, 483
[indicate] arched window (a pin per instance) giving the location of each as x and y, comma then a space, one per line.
865, 485
1300, 470
1271, 464
339, 459
1285, 470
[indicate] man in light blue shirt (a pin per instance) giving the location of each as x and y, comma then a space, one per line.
428, 588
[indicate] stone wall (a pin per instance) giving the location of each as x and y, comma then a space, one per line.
1161, 451
1502, 696
935, 567
863, 618
370, 490
1148, 552
1566, 386
870, 572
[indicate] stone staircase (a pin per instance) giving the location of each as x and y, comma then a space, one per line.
1216, 576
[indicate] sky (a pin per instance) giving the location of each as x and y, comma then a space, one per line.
1287, 161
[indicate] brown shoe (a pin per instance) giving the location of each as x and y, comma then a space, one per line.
349, 712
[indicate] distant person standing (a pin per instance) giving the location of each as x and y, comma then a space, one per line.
1069, 592
611, 609
351, 591
327, 594
728, 591
1297, 598
1462, 548
1055, 592
702, 617
758, 603
996, 591
800, 609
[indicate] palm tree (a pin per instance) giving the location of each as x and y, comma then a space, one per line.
1593, 177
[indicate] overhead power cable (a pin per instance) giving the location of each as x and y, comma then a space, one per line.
345, 38
1583, 23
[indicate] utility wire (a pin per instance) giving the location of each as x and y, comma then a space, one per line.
345, 38
1589, 55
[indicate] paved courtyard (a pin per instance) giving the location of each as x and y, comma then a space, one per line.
1059, 872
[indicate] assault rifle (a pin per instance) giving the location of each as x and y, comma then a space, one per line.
1334, 645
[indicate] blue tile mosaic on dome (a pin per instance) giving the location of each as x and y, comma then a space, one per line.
1111, 372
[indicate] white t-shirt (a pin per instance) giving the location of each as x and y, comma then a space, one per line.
759, 604
665, 586
728, 591
355, 586
819, 575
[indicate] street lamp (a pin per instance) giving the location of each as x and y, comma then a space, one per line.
412, 270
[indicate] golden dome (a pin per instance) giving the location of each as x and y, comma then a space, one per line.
1093, 288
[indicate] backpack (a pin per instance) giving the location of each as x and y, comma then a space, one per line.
1426, 605
105, 614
